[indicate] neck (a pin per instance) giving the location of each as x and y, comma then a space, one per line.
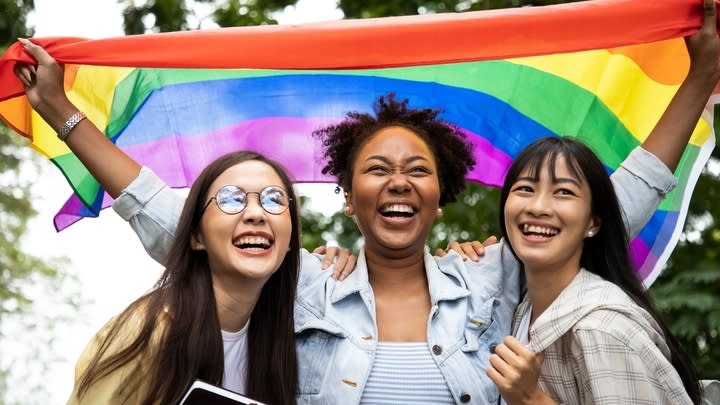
545, 285
235, 300
397, 272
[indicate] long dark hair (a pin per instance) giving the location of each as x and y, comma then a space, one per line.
178, 338
605, 254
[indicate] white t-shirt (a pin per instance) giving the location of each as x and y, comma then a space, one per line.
522, 334
235, 349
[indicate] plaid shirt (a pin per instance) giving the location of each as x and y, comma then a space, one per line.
602, 348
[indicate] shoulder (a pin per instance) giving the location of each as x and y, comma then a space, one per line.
311, 272
496, 261
624, 329
117, 333
113, 337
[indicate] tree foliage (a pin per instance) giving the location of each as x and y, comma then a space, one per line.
26, 281
382, 8
180, 15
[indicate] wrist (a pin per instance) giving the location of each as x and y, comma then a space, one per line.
56, 111
539, 397
707, 78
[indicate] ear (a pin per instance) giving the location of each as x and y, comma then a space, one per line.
196, 242
593, 228
349, 210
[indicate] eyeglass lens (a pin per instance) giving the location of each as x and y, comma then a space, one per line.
233, 199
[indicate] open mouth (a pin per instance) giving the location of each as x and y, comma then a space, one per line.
536, 230
397, 211
253, 242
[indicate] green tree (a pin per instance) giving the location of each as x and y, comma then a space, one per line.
382, 8
687, 291
26, 281
179, 15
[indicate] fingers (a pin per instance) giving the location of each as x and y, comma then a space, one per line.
344, 260
340, 255
340, 273
440, 252
516, 354
37, 52
466, 250
496, 377
709, 9
26, 73
330, 254
710, 22
491, 240
504, 372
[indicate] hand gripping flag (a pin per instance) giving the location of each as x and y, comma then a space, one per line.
175, 101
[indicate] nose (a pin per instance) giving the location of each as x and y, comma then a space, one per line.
399, 183
539, 204
253, 212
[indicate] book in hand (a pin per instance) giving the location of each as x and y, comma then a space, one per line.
202, 393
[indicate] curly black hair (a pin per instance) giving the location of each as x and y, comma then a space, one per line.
449, 145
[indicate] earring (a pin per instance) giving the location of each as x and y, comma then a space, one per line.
439, 212
348, 211
590, 234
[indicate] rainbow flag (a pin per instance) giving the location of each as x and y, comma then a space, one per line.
176, 101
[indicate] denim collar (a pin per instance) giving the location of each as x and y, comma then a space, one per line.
443, 281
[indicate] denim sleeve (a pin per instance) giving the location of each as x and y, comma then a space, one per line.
641, 183
153, 209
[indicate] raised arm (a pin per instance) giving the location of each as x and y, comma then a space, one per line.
668, 139
110, 166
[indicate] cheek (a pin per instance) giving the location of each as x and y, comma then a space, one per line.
282, 228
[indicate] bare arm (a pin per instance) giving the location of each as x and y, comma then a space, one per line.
110, 166
668, 139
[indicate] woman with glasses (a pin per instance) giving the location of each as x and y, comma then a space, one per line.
228, 285
222, 311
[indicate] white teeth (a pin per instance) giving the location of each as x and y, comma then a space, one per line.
539, 229
252, 240
398, 208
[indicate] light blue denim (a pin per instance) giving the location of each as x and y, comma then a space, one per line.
335, 322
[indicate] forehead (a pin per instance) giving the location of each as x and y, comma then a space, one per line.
251, 175
553, 167
395, 141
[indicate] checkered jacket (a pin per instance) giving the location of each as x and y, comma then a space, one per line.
602, 348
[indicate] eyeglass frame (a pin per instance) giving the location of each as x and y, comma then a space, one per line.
247, 193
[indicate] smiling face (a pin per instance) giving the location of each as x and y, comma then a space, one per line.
395, 192
251, 244
548, 216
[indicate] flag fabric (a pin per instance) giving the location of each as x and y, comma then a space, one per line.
176, 101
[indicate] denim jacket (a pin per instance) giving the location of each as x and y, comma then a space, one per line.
472, 303
336, 329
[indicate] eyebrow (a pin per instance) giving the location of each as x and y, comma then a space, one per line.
557, 180
386, 160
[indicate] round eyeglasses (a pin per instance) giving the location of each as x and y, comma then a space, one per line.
233, 199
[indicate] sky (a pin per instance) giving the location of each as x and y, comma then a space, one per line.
104, 253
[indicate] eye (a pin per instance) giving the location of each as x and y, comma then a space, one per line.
522, 188
378, 169
274, 196
418, 171
565, 191
232, 198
